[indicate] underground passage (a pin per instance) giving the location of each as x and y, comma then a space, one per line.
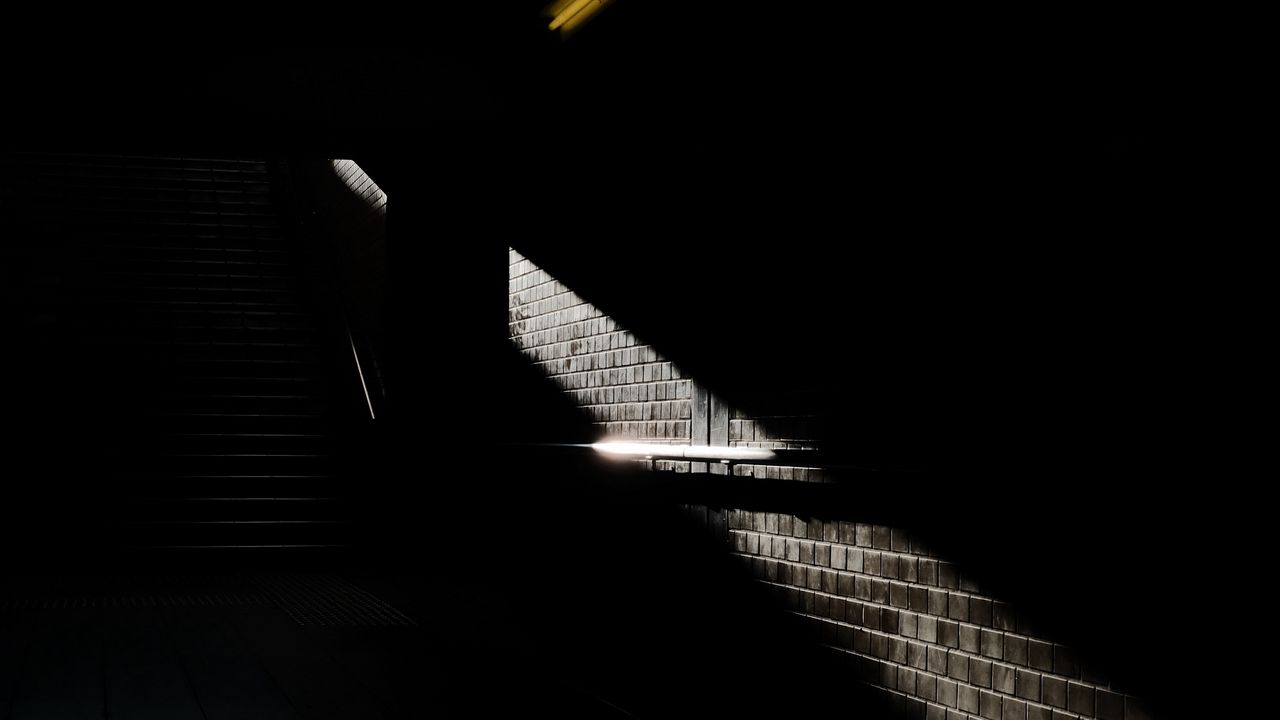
610, 359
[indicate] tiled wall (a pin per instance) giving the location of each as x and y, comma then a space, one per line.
911, 623
628, 390
918, 626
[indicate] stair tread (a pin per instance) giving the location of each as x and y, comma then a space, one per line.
207, 452
237, 546
188, 267
234, 522
293, 307
240, 477
230, 499
240, 395
276, 435
293, 415
247, 378
220, 276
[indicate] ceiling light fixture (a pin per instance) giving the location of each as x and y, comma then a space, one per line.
568, 15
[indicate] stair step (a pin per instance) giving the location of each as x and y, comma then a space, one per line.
281, 456
99, 210
175, 354
261, 306
201, 237
248, 385
247, 379
200, 280
227, 509
140, 183
261, 366
178, 314
247, 353
246, 403
172, 259
120, 331
160, 500
242, 547
176, 490
236, 230
242, 443
284, 320
134, 246
246, 415
262, 437
160, 262
253, 478
196, 256
208, 238
236, 522
197, 422
253, 334
235, 532
191, 292
241, 271
79, 196
214, 296
45, 160
239, 464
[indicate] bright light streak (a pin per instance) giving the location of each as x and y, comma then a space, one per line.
360, 372
682, 452
569, 14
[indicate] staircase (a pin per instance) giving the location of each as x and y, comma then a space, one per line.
205, 364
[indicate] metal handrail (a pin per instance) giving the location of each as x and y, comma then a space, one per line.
704, 453
806, 458
359, 370
328, 257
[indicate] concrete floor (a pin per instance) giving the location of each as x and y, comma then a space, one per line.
221, 649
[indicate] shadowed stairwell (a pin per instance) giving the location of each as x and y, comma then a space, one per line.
192, 352
858, 363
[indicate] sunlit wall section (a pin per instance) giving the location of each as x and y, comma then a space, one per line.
902, 616
628, 390
362, 185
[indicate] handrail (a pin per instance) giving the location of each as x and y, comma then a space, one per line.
647, 451
368, 188
807, 458
328, 257
359, 370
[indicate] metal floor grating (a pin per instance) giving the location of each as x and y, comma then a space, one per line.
329, 600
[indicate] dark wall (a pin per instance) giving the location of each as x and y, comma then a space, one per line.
970, 248
973, 212
964, 245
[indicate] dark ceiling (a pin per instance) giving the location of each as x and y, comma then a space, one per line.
944, 221
968, 242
